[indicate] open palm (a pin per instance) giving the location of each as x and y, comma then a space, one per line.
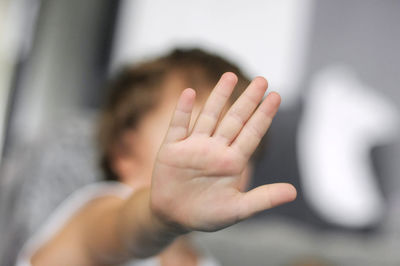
196, 175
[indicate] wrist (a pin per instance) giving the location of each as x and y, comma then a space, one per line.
141, 230
164, 222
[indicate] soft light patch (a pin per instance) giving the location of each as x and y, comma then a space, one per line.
343, 119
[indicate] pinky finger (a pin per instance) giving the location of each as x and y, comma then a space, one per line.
256, 127
179, 126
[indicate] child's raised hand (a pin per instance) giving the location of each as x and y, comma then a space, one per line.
196, 175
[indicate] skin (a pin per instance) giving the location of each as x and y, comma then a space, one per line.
189, 179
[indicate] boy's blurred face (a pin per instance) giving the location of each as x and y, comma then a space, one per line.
135, 166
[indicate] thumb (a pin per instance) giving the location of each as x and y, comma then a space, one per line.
265, 197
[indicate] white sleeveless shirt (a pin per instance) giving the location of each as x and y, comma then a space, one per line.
70, 207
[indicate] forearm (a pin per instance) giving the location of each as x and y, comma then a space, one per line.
128, 230
108, 231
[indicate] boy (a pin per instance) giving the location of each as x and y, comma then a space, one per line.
190, 178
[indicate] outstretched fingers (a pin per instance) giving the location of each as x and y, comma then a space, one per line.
209, 116
179, 126
256, 127
265, 197
241, 110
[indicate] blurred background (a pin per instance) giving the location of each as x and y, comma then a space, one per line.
336, 137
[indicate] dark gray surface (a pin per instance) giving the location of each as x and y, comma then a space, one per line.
365, 36
40, 176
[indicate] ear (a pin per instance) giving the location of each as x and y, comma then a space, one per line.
123, 160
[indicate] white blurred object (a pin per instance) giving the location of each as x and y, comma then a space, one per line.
17, 20
343, 119
265, 38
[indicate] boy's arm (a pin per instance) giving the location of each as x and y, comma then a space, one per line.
196, 177
130, 230
108, 231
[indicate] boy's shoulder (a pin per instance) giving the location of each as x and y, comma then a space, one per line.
70, 220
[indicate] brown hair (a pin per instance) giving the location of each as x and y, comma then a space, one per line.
135, 91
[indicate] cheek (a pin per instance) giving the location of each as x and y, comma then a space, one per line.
155, 136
